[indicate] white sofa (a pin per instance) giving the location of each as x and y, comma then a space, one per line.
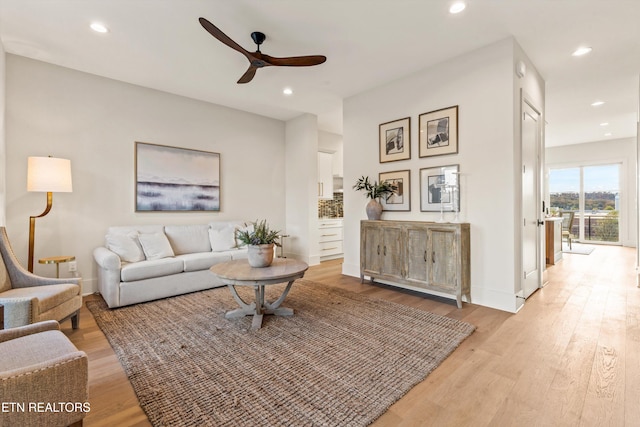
148, 262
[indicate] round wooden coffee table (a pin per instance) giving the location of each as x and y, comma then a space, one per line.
240, 273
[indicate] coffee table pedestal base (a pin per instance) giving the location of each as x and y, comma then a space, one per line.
260, 307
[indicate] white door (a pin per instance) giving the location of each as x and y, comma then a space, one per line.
531, 207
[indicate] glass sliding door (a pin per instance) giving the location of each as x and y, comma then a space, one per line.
593, 194
602, 203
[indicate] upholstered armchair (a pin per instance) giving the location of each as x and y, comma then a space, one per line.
43, 377
28, 298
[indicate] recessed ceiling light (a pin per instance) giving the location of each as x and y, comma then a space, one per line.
287, 91
581, 51
604, 124
99, 27
597, 103
457, 7
608, 134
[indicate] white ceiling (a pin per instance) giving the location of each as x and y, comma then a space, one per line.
160, 44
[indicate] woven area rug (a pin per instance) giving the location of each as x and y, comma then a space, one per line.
341, 360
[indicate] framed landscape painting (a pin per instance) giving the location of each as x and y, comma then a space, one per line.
395, 140
176, 179
439, 132
440, 189
401, 200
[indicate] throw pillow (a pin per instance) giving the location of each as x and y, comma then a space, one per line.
126, 246
222, 240
155, 245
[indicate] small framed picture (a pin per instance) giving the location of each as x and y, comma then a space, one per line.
401, 200
439, 132
395, 140
440, 189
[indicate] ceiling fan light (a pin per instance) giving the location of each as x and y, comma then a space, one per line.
99, 27
582, 51
457, 7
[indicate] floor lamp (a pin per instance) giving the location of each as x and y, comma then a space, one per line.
46, 174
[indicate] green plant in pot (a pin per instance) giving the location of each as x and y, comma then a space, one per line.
375, 191
260, 241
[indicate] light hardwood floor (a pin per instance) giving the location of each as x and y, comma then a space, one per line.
570, 357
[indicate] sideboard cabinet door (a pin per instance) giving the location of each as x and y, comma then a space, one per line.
417, 255
443, 251
370, 250
391, 252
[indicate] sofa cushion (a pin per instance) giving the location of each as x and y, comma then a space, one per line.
151, 268
222, 240
188, 239
35, 350
155, 245
126, 246
49, 296
124, 229
203, 260
240, 253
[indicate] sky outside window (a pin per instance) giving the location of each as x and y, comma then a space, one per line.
596, 178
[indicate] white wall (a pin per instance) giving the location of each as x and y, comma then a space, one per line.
94, 121
482, 84
3, 159
621, 151
332, 143
301, 188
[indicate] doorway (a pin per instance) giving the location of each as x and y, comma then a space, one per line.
531, 199
592, 192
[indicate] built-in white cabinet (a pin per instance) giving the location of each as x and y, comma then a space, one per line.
325, 176
330, 238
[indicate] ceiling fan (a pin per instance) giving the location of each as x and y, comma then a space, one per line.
258, 59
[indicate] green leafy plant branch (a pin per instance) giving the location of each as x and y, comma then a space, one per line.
260, 235
375, 190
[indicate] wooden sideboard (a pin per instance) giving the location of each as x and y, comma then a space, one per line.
422, 256
553, 240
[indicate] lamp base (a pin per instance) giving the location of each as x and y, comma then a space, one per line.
32, 229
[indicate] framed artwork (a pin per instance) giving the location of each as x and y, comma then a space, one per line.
176, 179
439, 132
395, 140
440, 189
401, 200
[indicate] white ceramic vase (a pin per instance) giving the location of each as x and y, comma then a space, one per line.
260, 255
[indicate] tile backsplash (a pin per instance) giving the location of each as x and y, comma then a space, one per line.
331, 208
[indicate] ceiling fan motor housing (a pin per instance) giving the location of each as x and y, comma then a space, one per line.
258, 38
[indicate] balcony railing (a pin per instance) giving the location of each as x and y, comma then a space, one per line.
603, 227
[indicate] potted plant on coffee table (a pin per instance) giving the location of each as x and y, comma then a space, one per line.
260, 241
375, 191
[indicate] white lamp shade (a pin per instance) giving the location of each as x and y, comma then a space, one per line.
49, 174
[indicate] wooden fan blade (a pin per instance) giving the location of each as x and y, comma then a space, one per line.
215, 32
248, 75
295, 61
